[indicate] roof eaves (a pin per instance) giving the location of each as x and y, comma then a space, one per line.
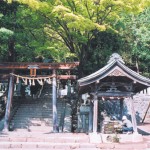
96, 74
134, 75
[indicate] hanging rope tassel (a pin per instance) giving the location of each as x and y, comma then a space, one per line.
40, 81
25, 81
33, 82
17, 81
48, 81
30, 82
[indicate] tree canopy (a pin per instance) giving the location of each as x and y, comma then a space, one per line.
84, 30
136, 35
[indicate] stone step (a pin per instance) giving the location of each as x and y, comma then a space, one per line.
21, 124
41, 103
69, 146
45, 145
37, 109
31, 108
44, 103
49, 137
30, 122
35, 114
34, 129
32, 126
33, 117
42, 100
26, 114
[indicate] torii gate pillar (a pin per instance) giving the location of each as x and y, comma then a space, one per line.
54, 102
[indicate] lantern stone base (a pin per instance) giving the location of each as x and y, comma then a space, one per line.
135, 137
115, 138
95, 137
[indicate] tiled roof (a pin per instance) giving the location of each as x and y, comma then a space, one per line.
115, 68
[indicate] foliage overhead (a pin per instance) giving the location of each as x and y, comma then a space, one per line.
67, 30
136, 35
76, 22
73, 20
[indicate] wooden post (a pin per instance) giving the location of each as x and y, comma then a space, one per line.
54, 98
95, 113
133, 117
146, 112
84, 122
91, 117
69, 89
121, 108
8, 105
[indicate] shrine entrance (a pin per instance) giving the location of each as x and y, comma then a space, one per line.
31, 73
115, 81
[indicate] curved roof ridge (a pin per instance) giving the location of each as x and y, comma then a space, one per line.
113, 62
133, 73
98, 72
116, 57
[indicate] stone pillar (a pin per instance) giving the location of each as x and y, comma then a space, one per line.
95, 113
9, 104
19, 88
133, 117
148, 90
54, 99
121, 108
79, 122
69, 89
84, 122
91, 117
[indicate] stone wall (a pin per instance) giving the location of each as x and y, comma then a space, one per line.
112, 108
141, 102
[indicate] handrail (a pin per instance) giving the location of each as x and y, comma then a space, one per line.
3, 98
146, 112
61, 123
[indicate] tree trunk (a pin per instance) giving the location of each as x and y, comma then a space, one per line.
83, 60
137, 65
11, 50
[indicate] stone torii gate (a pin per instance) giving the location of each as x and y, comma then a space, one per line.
11, 68
115, 80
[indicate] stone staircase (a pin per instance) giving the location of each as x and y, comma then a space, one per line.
32, 126
35, 115
65, 141
141, 102
15, 140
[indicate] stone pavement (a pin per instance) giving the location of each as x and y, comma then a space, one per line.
21, 140
64, 141
145, 127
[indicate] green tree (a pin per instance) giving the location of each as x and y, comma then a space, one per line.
102, 46
7, 50
136, 35
76, 22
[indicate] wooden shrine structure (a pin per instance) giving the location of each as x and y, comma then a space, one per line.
28, 73
113, 81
